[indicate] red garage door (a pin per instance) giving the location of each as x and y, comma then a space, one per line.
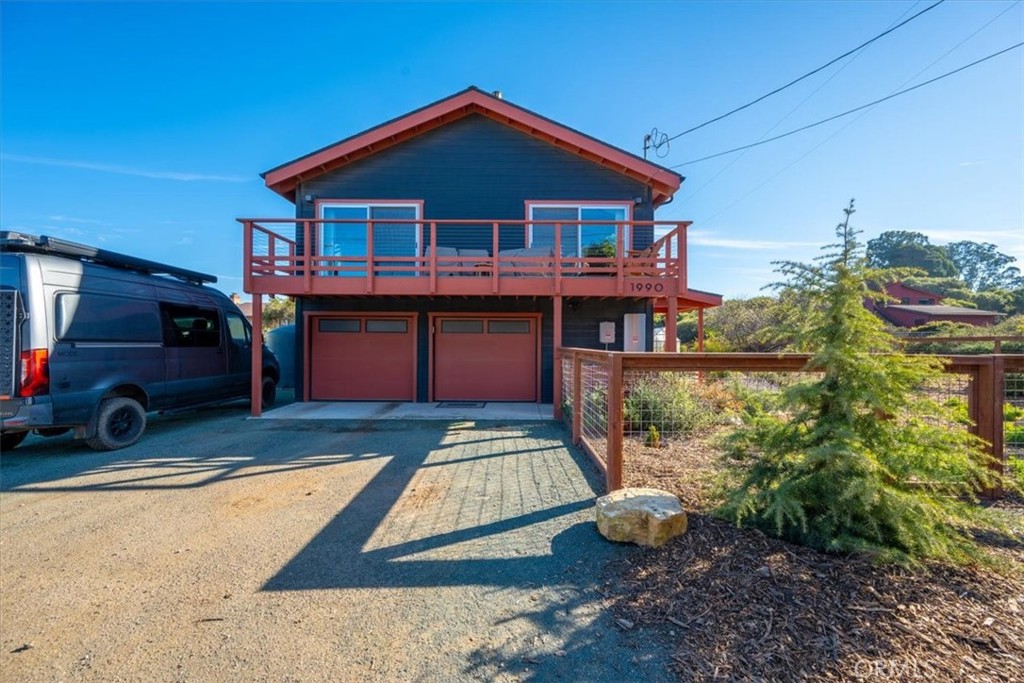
363, 358
485, 359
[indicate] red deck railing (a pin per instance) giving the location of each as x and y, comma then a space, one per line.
285, 256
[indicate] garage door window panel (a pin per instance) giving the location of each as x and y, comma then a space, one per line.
387, 326
508, 327
462, 326
339, 325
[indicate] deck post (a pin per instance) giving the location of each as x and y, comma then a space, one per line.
433, 257
256, 395
307, 255
495, 245
556, 324
671, 322
700, 330
369, 257
681, 255
247, 262
613, 456
557, 252
620, 256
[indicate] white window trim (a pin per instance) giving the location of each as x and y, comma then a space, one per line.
627, 236
329, 204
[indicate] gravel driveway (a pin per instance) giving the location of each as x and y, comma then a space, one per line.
220, 548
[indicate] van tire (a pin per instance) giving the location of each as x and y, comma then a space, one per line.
119, 423
268, 392
11, 440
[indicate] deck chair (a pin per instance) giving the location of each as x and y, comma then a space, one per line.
448, 267
474, 261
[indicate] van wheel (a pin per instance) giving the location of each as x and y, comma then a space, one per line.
11, 440
268, 392
119, 424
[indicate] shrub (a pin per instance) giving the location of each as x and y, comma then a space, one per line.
669, 402
831, 473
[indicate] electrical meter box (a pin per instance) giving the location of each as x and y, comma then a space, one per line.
634, 332
606, 332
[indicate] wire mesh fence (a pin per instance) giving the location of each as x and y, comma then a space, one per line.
566, 402
665, 399
1013, 415
594, 407
665, 405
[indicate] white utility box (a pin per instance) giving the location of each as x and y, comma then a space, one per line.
634, 332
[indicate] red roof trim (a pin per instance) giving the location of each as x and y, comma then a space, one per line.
284, 179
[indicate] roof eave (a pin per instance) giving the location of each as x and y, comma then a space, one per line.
284, 179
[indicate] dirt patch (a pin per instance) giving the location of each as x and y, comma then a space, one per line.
737, 605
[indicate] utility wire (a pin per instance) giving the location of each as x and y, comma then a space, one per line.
851, 111
856, 119
806, 75
778, 123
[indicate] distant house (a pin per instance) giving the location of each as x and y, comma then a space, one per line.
244, 306
446, 254
918, 307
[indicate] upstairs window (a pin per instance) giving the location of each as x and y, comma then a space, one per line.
580, 236
389, 239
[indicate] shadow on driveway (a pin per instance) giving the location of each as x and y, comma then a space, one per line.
479, 535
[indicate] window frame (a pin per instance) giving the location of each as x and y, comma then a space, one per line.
580, 205
368, 204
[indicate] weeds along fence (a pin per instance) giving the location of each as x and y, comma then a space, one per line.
607, 398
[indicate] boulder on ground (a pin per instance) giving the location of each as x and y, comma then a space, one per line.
643, 516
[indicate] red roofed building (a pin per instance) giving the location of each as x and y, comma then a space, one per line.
913, 307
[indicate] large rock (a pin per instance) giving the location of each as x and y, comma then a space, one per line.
643, 516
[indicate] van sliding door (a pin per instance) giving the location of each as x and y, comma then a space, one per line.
196, 362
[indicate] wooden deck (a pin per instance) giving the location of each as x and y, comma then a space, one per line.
281, 258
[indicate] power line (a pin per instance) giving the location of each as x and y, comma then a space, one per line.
856, 119
778, 123
851, 111
808, 74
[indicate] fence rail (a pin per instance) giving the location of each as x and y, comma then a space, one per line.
608, 396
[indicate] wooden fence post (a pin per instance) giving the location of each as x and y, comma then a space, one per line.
613, 457
577, 398
987, 412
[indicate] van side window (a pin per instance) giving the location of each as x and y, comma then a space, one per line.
190, 325
100, 318
237, 328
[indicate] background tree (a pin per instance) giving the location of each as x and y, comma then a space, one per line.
858, 460
758, 324
278, 311
983, 267
907, 249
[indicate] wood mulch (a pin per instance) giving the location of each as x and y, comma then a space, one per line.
734, 604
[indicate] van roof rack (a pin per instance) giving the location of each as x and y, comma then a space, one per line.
19, 241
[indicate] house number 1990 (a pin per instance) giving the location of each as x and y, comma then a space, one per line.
647, 287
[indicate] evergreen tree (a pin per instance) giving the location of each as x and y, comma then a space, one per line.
861, 459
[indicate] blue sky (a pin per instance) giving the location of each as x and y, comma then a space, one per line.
143, 126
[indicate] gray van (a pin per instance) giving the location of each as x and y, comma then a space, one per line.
91, 340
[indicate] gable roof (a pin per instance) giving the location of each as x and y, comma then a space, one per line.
285, 178
937, 296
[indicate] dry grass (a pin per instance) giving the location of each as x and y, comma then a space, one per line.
737, 605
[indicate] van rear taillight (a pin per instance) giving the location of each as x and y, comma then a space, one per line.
35, 373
